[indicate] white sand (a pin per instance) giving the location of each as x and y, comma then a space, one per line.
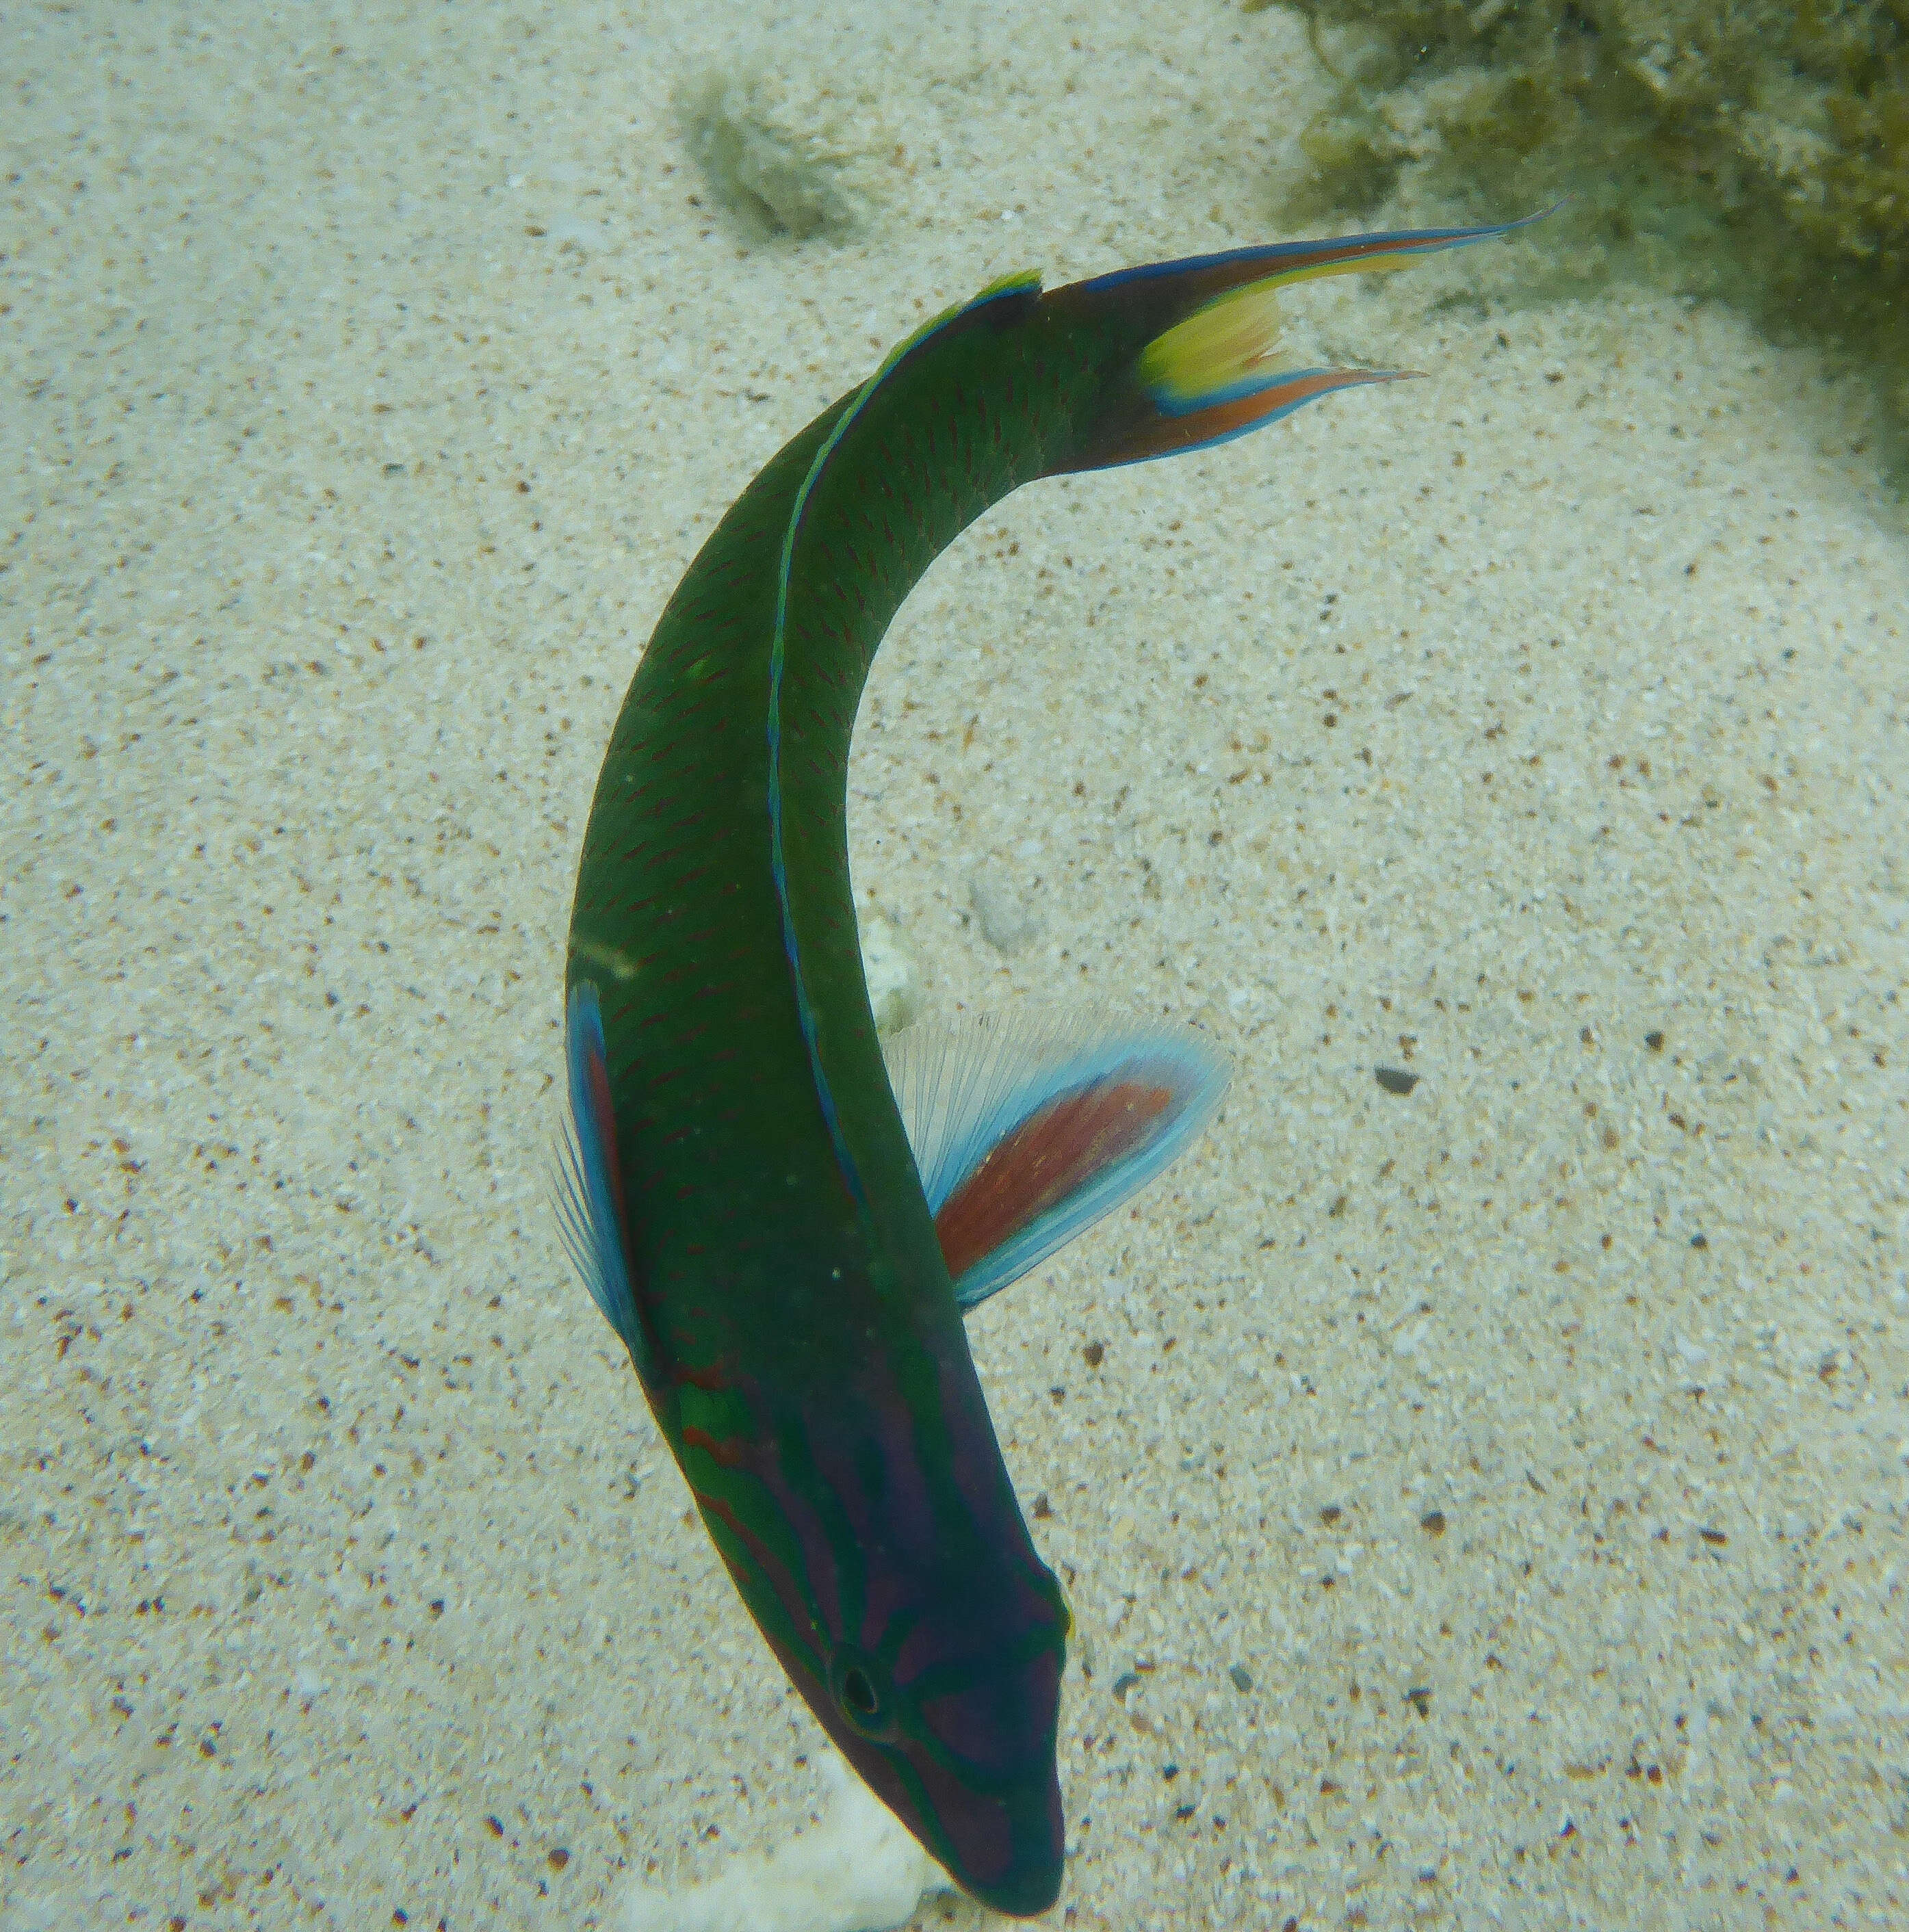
346, 1584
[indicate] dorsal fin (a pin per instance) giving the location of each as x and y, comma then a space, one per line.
1022, 288
1026, 1132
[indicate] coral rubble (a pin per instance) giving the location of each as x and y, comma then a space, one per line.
1757, 151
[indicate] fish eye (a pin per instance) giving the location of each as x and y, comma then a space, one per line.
858, 1694
854, 1685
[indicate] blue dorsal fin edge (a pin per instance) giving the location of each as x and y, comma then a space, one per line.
1005, 295
590, 1212
965, 1091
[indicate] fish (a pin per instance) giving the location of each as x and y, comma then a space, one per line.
785, 1230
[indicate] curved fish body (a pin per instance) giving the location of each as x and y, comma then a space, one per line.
787, 1266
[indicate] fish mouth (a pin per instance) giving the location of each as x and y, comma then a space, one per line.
987, 1771
974, 1780
1001, 1840
1004, 1847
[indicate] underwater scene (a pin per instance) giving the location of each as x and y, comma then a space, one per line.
1221, 1242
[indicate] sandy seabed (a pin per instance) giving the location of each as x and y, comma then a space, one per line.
1488, 1505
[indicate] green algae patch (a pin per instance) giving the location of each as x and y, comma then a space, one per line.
1755, 152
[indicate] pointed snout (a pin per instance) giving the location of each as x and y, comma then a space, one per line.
992, 1786
1004, 1847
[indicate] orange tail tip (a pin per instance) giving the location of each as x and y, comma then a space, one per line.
1218, 415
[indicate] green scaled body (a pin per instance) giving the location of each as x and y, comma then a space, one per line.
744, 1200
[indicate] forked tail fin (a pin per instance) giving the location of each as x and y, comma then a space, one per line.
1207, 368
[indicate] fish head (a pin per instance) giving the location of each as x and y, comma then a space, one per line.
948, 1708
920, 1624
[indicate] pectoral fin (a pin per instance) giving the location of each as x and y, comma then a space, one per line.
1025, 1133
591, 1205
